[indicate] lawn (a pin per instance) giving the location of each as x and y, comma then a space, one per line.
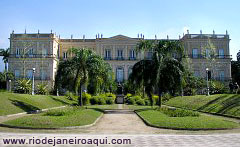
137, 107
227, 104
159, 119
65, 117
103, 107
11, 103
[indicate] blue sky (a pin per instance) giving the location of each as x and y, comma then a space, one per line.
127, 17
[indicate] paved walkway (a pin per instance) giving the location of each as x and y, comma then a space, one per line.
126, 124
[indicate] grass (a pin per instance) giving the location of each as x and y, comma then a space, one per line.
227, 104
11, 103
65, 117
103, 107
160, 119
137, 107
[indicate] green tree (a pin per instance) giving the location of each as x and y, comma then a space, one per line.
83, 68
142, 47
163, 72
5, 54
235, 69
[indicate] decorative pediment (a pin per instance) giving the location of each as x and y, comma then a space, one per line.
120, 38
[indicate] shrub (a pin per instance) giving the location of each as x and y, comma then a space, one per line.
147, 102
94, 100
155, 100
217, 87
140, 102
166, 97
42, 89
101, 101
109, 100
23, 86
86, 98
131, 101
70, 95
110, 95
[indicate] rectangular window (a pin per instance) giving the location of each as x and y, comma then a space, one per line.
17, 52
208, 55
64, 55
30, 52
17, 73
221, 53
195, 53
43, 75
221, 75
29, 74
120, 54
108, 54
132, 54
44, 52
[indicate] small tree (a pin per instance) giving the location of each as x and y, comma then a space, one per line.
23, 86
42, 88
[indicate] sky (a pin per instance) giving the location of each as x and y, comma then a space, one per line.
126, 17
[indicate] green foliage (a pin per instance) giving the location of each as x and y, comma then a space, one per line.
140, 102
159, 119
155, 99
70, 95
86, 67
235, 69
166, 97
16, 103
147, 102
178, 112
109, 100
23, 86
94, 100
150, 75
42, 89
217, 87
191, 84
65, 117
86, 98
101, 101
227, 104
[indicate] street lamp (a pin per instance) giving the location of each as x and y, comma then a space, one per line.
10, 85
33, 81
207, 70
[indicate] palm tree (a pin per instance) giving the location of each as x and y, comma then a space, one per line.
5, 54
142, 46
77, 71
163, 72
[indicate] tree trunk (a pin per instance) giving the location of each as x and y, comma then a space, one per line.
5, 67
80, 102
160, 97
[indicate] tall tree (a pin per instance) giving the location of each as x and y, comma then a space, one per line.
76, 72
142, 47
5, 54
163, 72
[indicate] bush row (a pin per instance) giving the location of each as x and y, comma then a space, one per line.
102, 99
138, 100
25, 86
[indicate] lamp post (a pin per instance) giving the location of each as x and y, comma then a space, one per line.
10, 85
207, 82
33, 81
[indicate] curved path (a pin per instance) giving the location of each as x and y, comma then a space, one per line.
126, 124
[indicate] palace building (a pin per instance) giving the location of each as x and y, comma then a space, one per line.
43, 51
